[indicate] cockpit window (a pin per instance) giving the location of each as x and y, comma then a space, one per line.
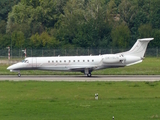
25, 61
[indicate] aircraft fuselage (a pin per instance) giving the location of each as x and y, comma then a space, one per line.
85, 64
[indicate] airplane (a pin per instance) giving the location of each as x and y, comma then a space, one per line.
85, 64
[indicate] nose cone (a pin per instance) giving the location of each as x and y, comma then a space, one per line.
11, 67
8, 68
14, 67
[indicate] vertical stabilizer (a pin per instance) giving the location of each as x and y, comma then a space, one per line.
139, 48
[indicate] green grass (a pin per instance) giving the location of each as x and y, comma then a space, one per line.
32, 100
150, 66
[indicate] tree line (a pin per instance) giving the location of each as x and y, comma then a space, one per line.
70, 24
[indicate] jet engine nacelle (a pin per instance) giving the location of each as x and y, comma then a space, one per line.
108, 59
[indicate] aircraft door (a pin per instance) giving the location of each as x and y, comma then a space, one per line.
34, 62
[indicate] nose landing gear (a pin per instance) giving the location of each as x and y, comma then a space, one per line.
19, 74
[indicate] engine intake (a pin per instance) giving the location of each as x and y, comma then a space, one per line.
113, 59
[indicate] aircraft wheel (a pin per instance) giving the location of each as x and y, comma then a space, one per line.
19, 74
89, 75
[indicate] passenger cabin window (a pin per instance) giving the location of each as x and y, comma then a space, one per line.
69, 60
52, 61
83, 60
73, 60
64, 60
78, 60
48, 61
88, 60
92, 60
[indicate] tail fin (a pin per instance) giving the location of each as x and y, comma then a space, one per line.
139, 48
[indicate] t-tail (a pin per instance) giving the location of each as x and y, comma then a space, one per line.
136, 53
139, 48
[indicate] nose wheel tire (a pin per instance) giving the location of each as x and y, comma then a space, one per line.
19, 74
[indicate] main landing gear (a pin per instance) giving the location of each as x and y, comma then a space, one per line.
87, 72
89, 75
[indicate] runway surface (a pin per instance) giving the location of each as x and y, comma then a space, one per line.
80, 78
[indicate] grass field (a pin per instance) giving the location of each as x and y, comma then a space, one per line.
150, 66
31, 100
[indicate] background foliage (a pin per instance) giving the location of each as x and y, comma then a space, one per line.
78, 23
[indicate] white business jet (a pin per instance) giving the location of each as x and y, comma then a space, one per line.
85, 64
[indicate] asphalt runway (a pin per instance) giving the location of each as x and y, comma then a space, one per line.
80, 78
